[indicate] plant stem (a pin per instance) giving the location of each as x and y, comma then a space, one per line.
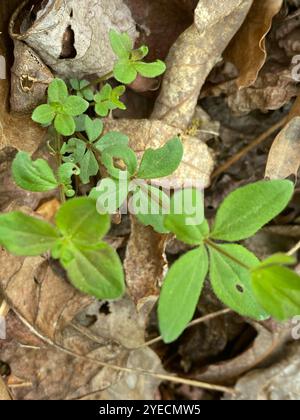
226, 254
294, 249
101, 79
59, 163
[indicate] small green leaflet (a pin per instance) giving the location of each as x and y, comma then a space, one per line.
32, 175
278, 290
112, 138
96, 270
65, 173
23, 235
61, 108
161, 162
82, 88
93, 128
150, 204
181, 292
79, 221
248, 209
123, 153
232, 283
129, 62
186, 218
108, 99
278, 259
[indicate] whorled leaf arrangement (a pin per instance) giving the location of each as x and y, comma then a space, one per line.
250, 287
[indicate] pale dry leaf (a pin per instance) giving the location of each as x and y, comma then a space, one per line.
145, 262
194, 55
284, 156
269, 340
12, 132
4, 394
72, 37
197, 163
279, 382
247, 50
29, 79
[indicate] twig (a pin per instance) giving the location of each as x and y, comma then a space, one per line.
260, 139
191, 324
294, 249
4, 309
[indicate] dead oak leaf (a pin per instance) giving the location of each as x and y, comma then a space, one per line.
247, 50
284, 156
194, 55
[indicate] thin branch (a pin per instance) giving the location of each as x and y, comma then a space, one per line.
238, 156
294, 250
191, 324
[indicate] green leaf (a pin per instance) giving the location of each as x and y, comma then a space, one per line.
161, 162
96, 270
64, 124
43, 114
278, 291
123, 153
66, 171
79, 221
181, 292
75, 106
23, 235
93, 128
139, 54
186, 217
75, 84
32, 175
125, 72
232, 283
88, 167
57, 91
112, 138
248, 209
121, 44
110, 194
75, 148
278, 259
150, 205
109, 99
150, 69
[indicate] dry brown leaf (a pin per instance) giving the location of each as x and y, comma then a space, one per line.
193, 56
4, 394
145, 263
48, 209
279, 382
71, 37
284, 156
247, 50
268, 341
29, 79
12, 127
197, 163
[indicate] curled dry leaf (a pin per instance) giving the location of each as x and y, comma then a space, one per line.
197, 163
71, 37
247, 50
269, 340
29, 79
147, 247
284, 156
279, 382
193, 56
12, 133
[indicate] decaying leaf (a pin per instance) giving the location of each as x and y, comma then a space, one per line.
197, 163
284, 156
194, 55
279, 382
148, 249
247, 50
71, 37
29, 79
4, 394
268, 341
12, 132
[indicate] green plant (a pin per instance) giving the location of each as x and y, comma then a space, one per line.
251, 288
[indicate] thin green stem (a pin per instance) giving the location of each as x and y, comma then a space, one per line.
59, 163
226, 254
101, 79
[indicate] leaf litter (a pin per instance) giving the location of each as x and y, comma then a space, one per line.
96, 350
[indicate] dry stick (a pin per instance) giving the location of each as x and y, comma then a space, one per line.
4, 309
263, 137
170, 378
197, 321
294, 249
